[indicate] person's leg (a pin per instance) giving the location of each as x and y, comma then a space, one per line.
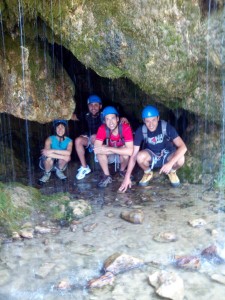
174, 179
81, 143
103, 162
60, 166
124, 162
46, 164
144, 160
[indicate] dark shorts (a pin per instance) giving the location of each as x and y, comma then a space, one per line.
55, 163
157, 161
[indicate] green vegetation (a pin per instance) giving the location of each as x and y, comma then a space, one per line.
10, 215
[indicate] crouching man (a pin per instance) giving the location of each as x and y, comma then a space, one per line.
163, 149
113, 144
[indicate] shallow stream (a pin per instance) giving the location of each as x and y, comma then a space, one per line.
79, 256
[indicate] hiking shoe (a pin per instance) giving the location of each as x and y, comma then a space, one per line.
45, 178
60, 174
146, 179
107, 179
82, 172
174, 180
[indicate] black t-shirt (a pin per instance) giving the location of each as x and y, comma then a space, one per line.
156, 141
90, 123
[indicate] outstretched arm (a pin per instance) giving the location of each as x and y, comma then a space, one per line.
127, 182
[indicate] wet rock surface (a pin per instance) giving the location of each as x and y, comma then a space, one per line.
65, 262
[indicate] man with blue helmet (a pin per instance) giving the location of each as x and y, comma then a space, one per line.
163, 148
92, 122
114, 143
56, 153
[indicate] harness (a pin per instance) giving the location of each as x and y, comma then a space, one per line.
114, 143
156, 157
108, 134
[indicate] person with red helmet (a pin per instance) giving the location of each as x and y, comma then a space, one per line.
163, 149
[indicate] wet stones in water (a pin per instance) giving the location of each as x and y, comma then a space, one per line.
106, 279
197, 222
63, 285
188, 262
168, 285
218, 278
89, 227
165, 237
134, 216
79, 209
211, 254
120, 262
44, 270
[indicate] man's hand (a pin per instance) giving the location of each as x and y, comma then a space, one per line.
166, 168
103, 149
125, 184
124, 120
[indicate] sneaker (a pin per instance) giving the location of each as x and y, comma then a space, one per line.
82, 172
45, 178
60, 174
146, 179
174, 180
107, 179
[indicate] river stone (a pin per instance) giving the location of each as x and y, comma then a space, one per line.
219, 278
197, 222
107, 279
134, 216
188, 262
165, 237
42, 230
121, 262
168, 285
44, 270
80, 208
89, 227
26, 233
64, 284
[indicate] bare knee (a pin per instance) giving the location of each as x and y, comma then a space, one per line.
143, 157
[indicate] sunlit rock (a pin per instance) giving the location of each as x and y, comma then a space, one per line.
26, 233
44, 270
42, 230
89, 227
164, 47
31, 86
107, 279
197, 222
165, 237
134, 216
120, 262
218, 278
168, 285
63, 284
80, 208
188, 262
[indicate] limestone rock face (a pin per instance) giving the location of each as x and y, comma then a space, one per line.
169, 49
31, 87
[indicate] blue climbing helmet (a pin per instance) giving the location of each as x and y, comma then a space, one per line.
94, 99
150, 111
109, 110
57, 122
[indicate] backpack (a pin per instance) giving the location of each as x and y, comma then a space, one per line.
120, 130
163, 126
